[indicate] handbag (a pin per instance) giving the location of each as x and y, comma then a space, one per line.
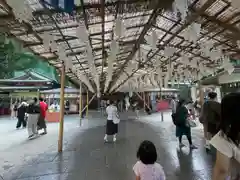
191, 123
116, 118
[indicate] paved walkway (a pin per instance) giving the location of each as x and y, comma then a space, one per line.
86, 157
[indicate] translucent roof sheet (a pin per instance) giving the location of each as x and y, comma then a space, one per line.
220, 23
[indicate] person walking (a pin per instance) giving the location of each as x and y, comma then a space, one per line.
135, 107
15, 108
112, 122
127, 103
33, 111
67, 106
41, 121
227, 140
103, 105
173, 104
182, 125
210, 118
21, 111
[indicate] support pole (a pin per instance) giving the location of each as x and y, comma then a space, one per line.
201, 92
80, 103
148, 99
161, 100
11, 106
142, 100
218, 91
61, 122
49, 101
87, 104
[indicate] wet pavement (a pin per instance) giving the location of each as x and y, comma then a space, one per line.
86, 156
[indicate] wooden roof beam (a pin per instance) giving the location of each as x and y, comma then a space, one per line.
104, 55
60, 31
234, 30
191, 18
90, 6
151, 20
100, 48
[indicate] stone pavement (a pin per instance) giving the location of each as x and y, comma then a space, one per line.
87, 157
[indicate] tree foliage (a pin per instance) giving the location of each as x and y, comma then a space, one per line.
13, 58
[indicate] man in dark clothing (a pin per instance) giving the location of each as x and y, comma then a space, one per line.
21, 110
210, 117
33, 111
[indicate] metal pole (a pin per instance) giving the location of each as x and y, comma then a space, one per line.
61, 123
144, 101
160, 101
201, 91
49, 101
87, 104
80, 103
11, 106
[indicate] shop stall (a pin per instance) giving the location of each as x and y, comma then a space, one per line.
23, 88
52, 98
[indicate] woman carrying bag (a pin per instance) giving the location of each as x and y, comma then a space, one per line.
112, 122
183, 126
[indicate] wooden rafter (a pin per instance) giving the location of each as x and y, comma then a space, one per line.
93, 6
221, 26
190, 19
104, 55
151, 20
60, 31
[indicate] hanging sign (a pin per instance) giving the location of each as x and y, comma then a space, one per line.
64, 5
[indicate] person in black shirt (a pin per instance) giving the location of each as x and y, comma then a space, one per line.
21, 110
33, 111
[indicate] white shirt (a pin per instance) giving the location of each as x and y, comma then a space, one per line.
112, 113
226, 147
127, 101
149, 172
173, 106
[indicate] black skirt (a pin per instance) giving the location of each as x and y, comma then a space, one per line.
111, 128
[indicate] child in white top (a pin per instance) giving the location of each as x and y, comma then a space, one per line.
147, 168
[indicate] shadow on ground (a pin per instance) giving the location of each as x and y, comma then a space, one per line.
86, 156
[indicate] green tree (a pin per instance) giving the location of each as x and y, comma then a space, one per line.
12, 58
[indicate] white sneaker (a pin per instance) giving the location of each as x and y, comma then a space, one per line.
114, 139
105, 139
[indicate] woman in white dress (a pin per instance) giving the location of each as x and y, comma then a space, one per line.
227, 141
112, 122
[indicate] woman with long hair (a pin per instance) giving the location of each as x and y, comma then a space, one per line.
182, 126
227, 140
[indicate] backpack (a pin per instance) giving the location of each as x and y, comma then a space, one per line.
177, 121
33, 109
15, 107
211, 114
